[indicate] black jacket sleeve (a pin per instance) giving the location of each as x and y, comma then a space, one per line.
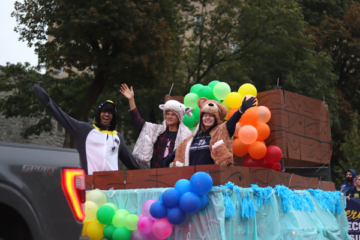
71, 125
125, 156
231, 123
169, 159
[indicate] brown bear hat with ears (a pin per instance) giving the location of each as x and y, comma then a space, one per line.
212, 107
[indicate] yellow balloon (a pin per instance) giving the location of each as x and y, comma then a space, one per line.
247, 89
90, 211
96, 196
86, 224
95, 230
233, 100
227, 108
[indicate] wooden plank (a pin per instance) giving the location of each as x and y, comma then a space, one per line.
213, 170
144, 178
89, 182
167, 177
109, 179
264, 177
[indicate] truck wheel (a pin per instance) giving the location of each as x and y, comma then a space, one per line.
13, 227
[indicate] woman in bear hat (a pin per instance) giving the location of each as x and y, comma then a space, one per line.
211, 142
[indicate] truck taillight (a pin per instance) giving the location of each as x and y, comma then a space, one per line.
73, 184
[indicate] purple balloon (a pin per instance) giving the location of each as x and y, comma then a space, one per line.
146, 207
137, 235
145, 224
152, 236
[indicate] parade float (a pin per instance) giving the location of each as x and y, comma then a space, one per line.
252, 199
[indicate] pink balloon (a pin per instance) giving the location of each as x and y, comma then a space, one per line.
145, 225
140, 215
162, 228
137, 235
153, 237
146, 208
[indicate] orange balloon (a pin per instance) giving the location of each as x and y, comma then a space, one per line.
239, 149
250, 117
248, 134
264, 114
238, 126
257, 150
263, 131
249, 96
231, 112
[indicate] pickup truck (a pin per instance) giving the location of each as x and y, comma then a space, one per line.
42, 193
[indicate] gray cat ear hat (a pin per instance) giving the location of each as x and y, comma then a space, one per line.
177, 107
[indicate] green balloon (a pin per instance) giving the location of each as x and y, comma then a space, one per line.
108, 231
192, 129
112, 205
119, 219
197, 113
124, 211
206, 92
213, 83
189, 121
121, 233
190, 100
131, 222
195, 89
105, 214
221, 90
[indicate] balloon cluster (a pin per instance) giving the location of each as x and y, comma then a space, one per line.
186, 197
105, 220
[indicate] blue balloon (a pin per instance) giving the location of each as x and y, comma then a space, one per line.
201, 183
158, 210
204, 201
171, 198
182, 186
189, 203
160, 197
175, 216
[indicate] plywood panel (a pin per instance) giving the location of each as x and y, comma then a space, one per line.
89, 182
109, 179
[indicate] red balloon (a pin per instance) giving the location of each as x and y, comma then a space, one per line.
273, 154
249, 162
276, 166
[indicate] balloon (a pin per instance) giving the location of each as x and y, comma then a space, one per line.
95, 230
213, 83
189, 121
227, 108
131, 222
146, 208
248, 134
193, 129
158, 210
238, 126
264, 114
250, 117
152, 236
263, 131
124, 211
195, 89
257, 150
233, 100
86, 224
239, 149
105, 214
145, 224
90, 211
201, 183
160, 197
221, 90
189, 202
276, 166
190, 100
273, 154
247, 89
162, 228
112, 205
182, 186
206, 92
175, 216
249, 162
197, 113
204, 201
137, 235
248, 97
231, 112
121, 233
140, 215
108, 231
96, 196
119, 219
171, 198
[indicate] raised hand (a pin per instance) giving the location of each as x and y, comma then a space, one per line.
128, 93
248, 103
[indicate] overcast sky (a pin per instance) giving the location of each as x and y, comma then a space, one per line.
11, 49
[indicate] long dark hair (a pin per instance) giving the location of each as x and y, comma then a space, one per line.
202, 129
